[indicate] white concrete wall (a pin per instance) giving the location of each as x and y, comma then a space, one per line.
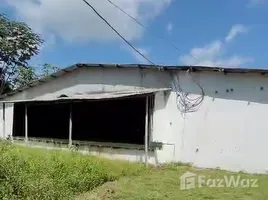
93, 80
9, 108
130, 155
228, 131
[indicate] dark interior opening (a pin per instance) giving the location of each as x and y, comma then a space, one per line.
44, 120
117, 121
19, 120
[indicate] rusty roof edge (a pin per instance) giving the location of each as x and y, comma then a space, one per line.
140, 66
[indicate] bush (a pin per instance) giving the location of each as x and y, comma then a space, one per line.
28, 173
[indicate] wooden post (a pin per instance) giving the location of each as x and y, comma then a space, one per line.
4, 120
70, 126
146, 133
26, 124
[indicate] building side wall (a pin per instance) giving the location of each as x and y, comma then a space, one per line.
228, 130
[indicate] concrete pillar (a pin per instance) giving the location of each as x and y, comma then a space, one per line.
4, 120
26, 124
146, 132
70, 126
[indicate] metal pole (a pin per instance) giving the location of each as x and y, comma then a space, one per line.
146, 133
70, 126
26, 124
4, 120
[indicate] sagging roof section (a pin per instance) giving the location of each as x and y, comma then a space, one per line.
156, 67
96, 95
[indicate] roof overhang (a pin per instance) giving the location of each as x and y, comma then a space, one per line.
91, 96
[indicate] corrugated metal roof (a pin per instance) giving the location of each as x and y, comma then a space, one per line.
95, 95
159, 67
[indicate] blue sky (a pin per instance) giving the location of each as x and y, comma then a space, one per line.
229, 33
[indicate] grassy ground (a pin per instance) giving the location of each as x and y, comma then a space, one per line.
163, 183
27, 173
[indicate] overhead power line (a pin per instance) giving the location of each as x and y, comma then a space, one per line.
191, 104
122, 37
145, 27
153, 33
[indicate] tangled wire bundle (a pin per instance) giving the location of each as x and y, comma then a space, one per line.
186, 103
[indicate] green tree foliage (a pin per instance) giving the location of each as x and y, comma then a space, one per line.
47, 69
24, 77
18, 44
29, 74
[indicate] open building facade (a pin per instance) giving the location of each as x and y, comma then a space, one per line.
210, 117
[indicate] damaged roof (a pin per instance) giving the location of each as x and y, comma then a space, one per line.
140, 66
95, 95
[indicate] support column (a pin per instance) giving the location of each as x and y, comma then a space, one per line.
146, 133
4, 120
70, 127
26, 125
150, 121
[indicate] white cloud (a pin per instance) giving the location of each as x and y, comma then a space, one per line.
212, 54
74, 21
169, 27
208, 51
235, 30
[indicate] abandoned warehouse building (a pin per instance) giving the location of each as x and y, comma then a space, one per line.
210, 117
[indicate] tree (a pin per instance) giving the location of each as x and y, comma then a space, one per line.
29, 74
48, 69
24, 77
18, 44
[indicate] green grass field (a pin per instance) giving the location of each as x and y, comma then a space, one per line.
163, 183
28, 173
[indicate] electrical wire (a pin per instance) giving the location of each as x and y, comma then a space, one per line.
184, 103
145, 27
122, 37
153, 33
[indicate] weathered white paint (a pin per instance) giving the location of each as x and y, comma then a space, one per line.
146, 131
228, 130
130, 155
9, 108
95, 80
